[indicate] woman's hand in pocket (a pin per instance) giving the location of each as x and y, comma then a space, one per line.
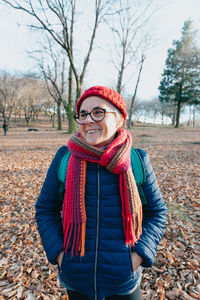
136, 261
60, 258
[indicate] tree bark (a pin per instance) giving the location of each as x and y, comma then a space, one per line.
178, 107
59, 118
178, 114
120, 73
53, 121
69, 106
135, 92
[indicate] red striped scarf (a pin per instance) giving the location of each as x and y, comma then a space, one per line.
117, 159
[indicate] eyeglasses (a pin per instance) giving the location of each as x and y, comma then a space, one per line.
97, 115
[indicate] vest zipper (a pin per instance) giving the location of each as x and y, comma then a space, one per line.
97, 235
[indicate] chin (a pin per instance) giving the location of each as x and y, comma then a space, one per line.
92, 142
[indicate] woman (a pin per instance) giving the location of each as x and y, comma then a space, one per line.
105, 235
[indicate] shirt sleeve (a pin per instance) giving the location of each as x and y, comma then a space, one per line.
154, 215
48, 211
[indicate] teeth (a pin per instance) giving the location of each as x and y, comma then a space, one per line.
93, 130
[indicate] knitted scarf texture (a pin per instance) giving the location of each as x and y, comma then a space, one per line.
117, 159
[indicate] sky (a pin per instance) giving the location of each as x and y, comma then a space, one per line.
16, 39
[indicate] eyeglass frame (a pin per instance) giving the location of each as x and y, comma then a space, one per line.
104, 110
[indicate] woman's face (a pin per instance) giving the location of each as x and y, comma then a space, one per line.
101, 133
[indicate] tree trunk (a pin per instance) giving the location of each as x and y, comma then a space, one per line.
15, 119
28, 118
178, 114
68, 107
59, 118
19, 114
52, 117
120, 73
135, 93
194, 116
189, 119
173, 119
78, 90
9, 116
71, 123
162, 118
37, 115
53, 121
178, 107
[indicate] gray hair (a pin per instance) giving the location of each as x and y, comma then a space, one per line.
118, 114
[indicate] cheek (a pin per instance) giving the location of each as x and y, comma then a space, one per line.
81, 129
111, 128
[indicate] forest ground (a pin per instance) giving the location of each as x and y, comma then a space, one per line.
24, 159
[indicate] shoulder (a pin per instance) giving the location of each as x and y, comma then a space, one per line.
60, 152
145, 161
142, 153
144, 156
62, 149
57, 157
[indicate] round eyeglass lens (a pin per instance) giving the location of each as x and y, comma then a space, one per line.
97, 114
81, 117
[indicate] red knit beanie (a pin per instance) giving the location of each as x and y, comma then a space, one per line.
107, 94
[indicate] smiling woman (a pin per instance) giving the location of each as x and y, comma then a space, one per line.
105, 234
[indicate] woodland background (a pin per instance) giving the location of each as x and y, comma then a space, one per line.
25, 157
118, 35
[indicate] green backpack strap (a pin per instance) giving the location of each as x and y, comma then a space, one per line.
139, 173
62, 172
136, 163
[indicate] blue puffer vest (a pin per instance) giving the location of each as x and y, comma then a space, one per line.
106, 268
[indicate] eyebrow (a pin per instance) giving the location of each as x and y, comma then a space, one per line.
96, 107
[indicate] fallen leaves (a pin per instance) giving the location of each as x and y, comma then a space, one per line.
24, 270
176, 271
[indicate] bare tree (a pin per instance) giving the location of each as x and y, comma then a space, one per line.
154, 108
18, 109
55, 17
128, 23
10, 89
52, 65
69, 105
131, 43
138, 109
56, 94
193, 111
32, 97
49, 108
167, 110
135, 91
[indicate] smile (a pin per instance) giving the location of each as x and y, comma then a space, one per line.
93, 131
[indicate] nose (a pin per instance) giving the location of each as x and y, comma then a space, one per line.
88, 119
